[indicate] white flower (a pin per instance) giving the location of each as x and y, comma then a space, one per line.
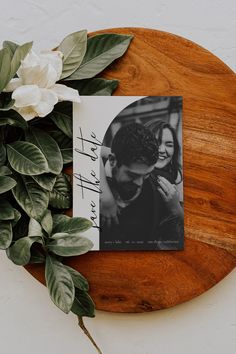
35, 90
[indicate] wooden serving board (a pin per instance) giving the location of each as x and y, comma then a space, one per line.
159, 63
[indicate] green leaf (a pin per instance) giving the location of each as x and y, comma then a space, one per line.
11, 47
36, 256
6, 210
26, 158
35, 229
31, 197
66, 245
20, 229
10, 60
65, 107
59, 218
75, 225
63, 122
6, 184
48, 147
83, 305
60, 197
2, 154
19, 55
59, 284
65, 145
20, 252
17, 216
5, 234
94, 87
79, 280
67, 155
7, 106
47, 222
15, 120
73, 48
5, 67
46, 181
102, 50
5, 171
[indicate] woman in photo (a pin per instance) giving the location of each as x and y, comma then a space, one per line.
166, 176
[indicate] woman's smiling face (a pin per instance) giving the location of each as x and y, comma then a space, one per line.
166, 148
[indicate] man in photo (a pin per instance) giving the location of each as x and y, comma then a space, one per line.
145, 220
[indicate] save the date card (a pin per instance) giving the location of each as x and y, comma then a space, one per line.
128, 171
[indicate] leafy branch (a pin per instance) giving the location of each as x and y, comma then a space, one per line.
34, 189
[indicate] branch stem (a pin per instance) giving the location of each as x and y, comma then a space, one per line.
86, 332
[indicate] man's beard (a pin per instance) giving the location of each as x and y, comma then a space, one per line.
126, 190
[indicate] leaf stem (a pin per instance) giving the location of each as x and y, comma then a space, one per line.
86, 332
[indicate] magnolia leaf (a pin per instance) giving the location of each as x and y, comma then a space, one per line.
66, 245
60, 284
83, 305
15, 120
65, 107
48, 147
102, 50
6, 106
58, 218
69, 225
6, 184
79, 280
20, 252
11, 47
20, 229
65, 145
67, 154
6, 210
94, 87
60, 197
63, 122
73, 48
34, 229
5, 171
19, 54
31, 197
36, 256
5, 67
5, 234
47, 222
17, 216
46, 181
26, 158
2, 153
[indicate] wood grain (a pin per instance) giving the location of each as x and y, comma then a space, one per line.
159, 63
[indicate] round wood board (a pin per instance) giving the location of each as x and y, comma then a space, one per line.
162, 64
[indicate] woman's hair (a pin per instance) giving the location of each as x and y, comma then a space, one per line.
156, 127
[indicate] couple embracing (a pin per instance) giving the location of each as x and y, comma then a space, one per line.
139, 204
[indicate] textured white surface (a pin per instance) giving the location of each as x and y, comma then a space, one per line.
29, 323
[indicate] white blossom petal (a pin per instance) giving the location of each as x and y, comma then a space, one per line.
53, 58
30, 61
35, 92
13, 84
27, 113
47, 102
42, 76
30, 75
65, 93
50, 76
26, 95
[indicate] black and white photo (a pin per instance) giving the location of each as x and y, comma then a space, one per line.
128, 171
